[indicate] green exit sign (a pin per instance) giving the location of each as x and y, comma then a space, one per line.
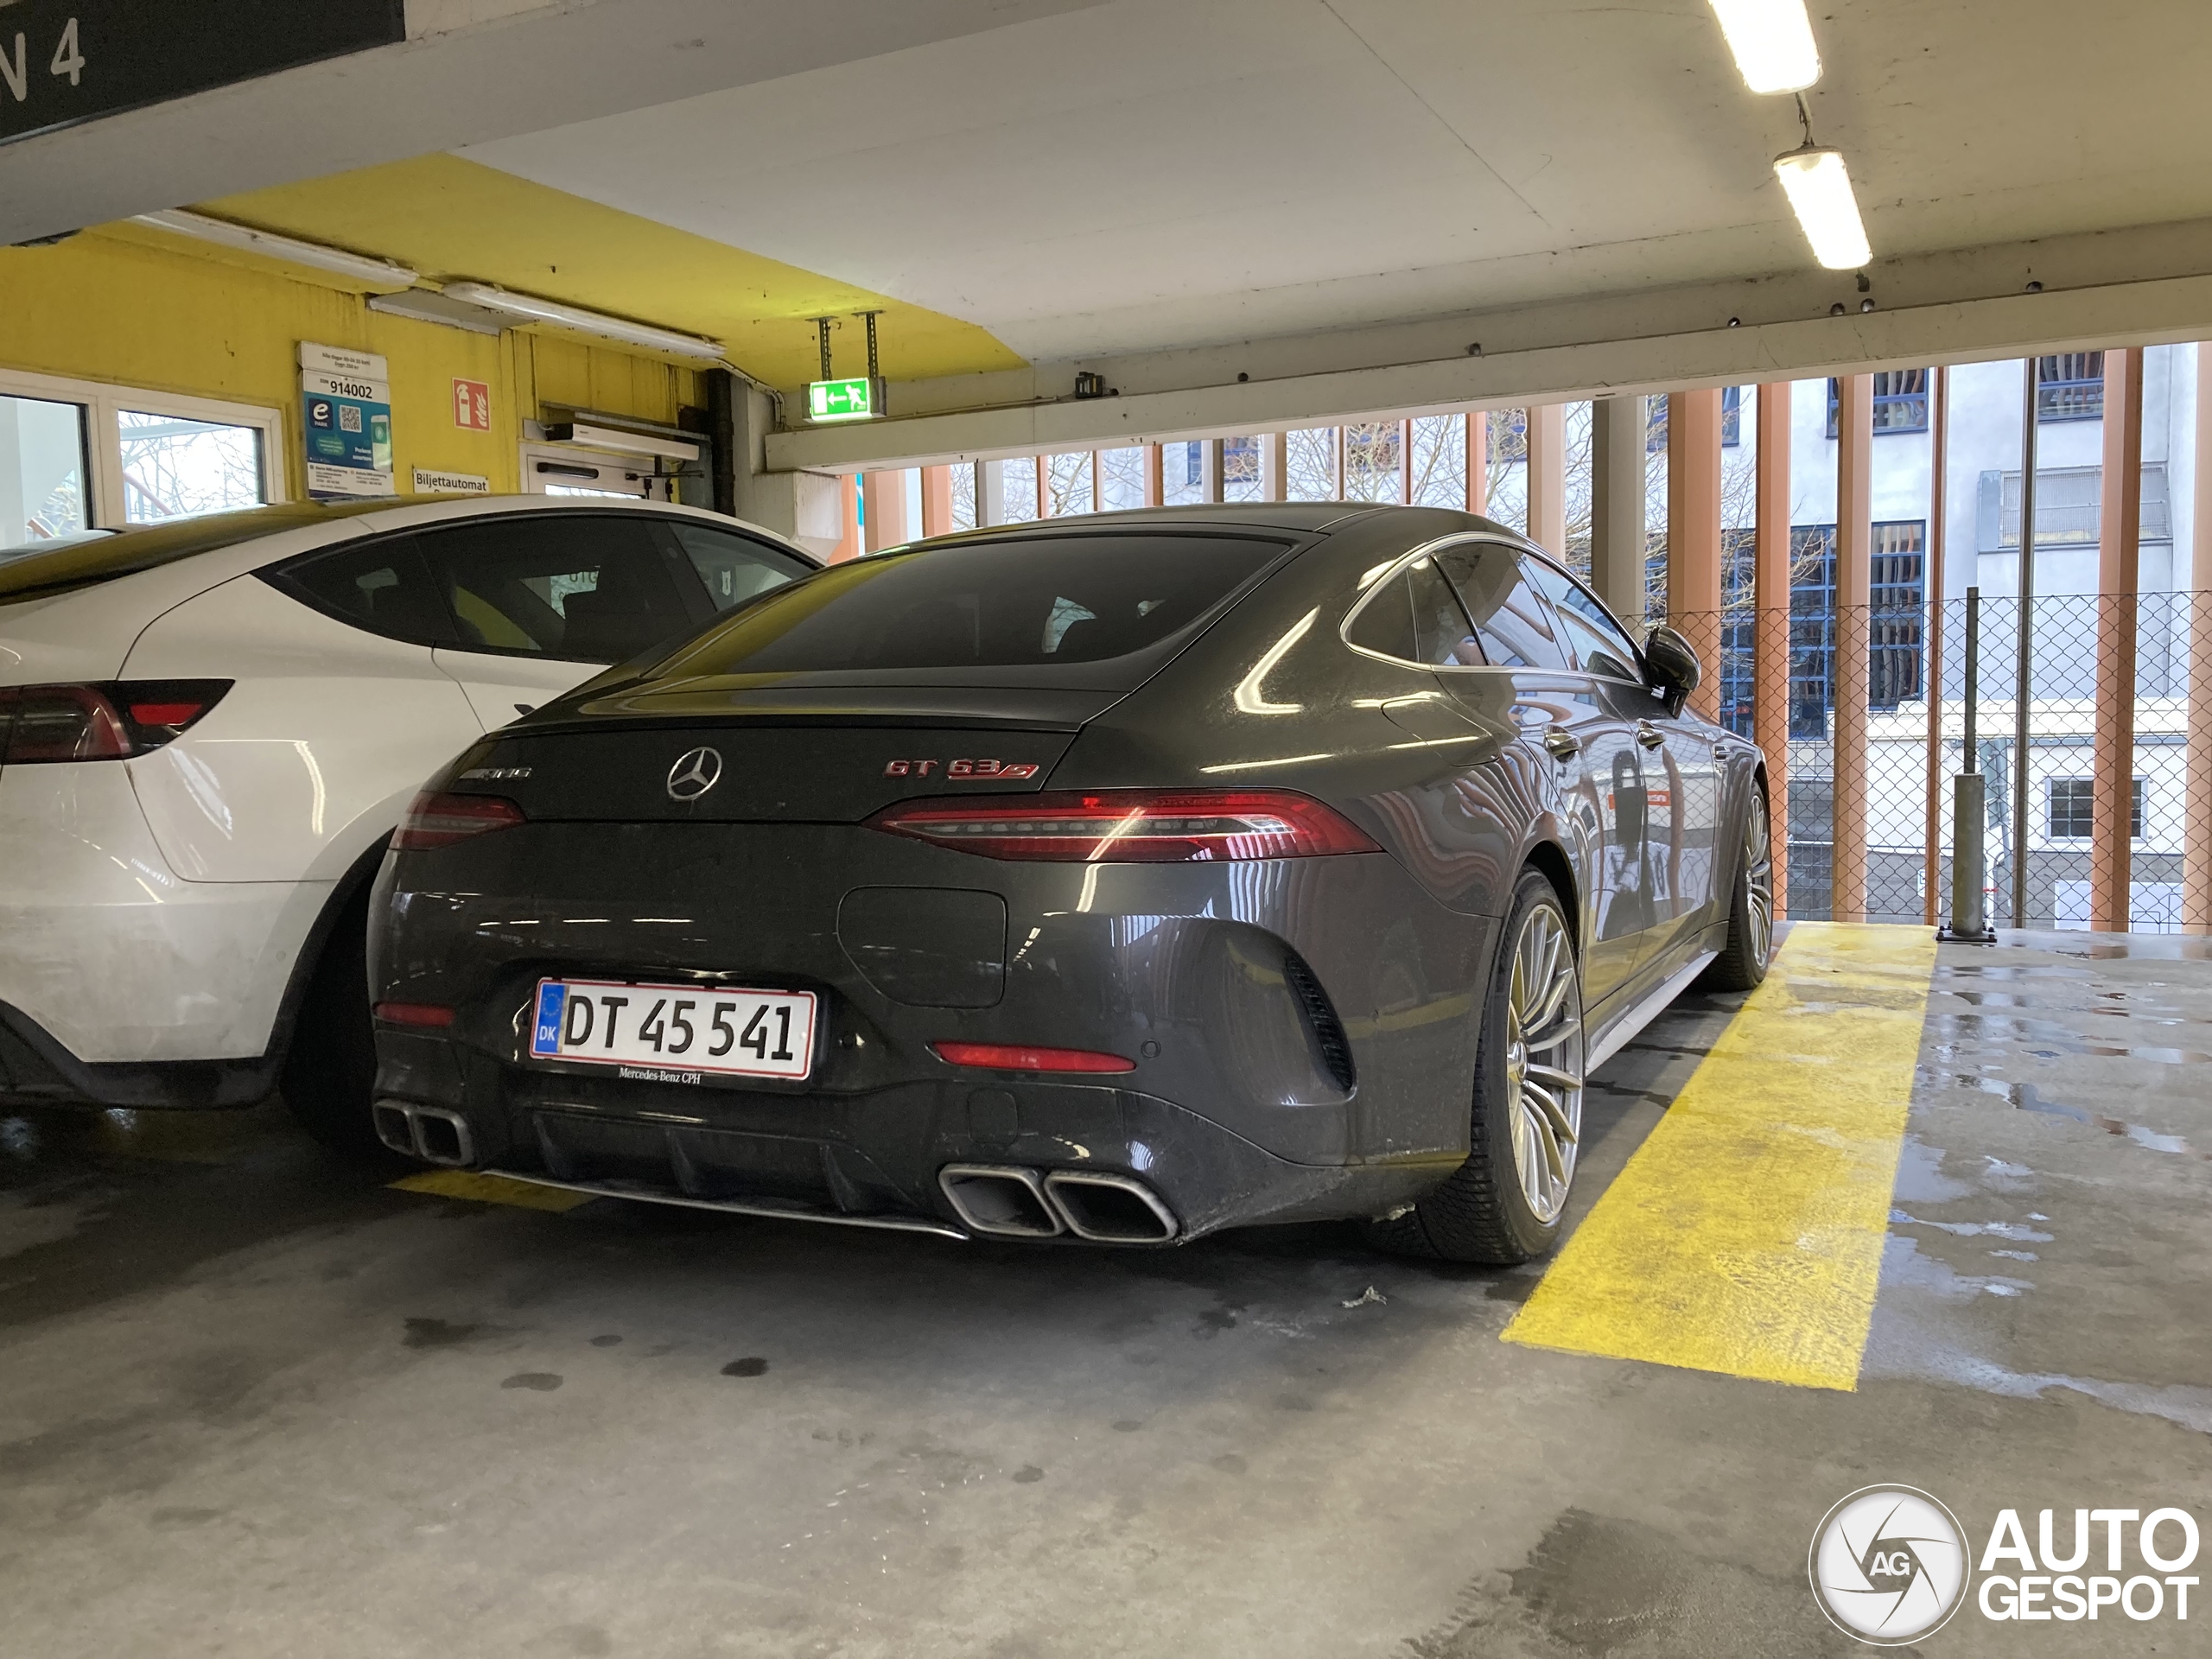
856, 400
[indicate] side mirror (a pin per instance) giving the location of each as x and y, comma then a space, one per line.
1671, 666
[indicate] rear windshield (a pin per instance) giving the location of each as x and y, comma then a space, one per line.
103, 558
1007, 602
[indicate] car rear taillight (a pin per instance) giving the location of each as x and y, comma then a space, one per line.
1018, 1057
435, 821
109, 719
428, 1014
1130, 826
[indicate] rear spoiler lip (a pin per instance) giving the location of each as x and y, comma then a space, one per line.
570, 726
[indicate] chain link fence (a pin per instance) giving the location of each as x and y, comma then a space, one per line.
1840, 697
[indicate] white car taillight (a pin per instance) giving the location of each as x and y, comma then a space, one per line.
111, 720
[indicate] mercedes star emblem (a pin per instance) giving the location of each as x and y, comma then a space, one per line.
694, 774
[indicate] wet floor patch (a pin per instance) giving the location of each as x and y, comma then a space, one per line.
2029, 1098
1599, 1587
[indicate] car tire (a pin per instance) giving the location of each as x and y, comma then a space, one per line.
1494, 1210
330, 1071
1742, 963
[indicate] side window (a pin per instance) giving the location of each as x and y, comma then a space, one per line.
1509, 619
733, 569
1593, 638
1385, 623
588, 587
382, 586
1416, 619
1442, 637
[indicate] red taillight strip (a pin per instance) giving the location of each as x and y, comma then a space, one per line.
1130, 826
1015, 1057
414, 1013
436, 820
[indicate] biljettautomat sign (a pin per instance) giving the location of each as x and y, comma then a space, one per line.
63, 62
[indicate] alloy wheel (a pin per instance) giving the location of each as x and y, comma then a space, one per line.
1758, 878
1543, 1060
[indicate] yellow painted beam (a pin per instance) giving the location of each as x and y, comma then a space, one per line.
1745, 1235
490, 1189
451, 218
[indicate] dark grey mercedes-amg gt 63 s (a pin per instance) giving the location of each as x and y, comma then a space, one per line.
1116, 880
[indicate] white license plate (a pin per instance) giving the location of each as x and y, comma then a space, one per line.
662, 1032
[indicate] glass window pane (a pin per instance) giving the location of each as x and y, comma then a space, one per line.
1120, 479
1182, 474
1374, 458
41, 473
1002, 602
1310, 464
1068, 484
1441, 636
381, 586
587, 588
1511, 621
1385, 623
1441, 460
175, 468
1240, 469
734, 567
1597, 645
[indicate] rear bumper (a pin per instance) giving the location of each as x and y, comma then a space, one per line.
115, 962
35, 1066
876, 1155
1301, 1031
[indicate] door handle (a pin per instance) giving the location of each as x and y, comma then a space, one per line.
1649, 736
1564, 746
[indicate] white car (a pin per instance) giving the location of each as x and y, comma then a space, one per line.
209, 729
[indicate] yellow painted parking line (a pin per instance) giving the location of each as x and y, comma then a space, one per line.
1745, 1235
491, 1189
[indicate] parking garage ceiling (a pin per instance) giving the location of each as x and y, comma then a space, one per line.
1135, 182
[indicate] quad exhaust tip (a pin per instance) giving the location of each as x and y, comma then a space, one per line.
1000, 1200
1006, 1201
1109, 1209
429, 1132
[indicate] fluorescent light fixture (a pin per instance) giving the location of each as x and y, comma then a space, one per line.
1772, 40
380, 276
1819, 189
530, 307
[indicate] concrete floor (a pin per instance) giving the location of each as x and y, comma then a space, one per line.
251, 1406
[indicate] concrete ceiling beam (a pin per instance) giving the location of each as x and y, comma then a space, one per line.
470, 72
2141, 287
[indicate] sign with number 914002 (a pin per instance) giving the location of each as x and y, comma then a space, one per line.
689, 1027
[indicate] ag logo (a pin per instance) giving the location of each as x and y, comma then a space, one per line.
694, 773
1889, 1565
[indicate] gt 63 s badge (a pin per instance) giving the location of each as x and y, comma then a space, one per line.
961, 768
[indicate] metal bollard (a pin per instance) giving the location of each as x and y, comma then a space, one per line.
1969, 808
1969, 874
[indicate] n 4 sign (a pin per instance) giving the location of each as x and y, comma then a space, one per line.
15, 61
63, 62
